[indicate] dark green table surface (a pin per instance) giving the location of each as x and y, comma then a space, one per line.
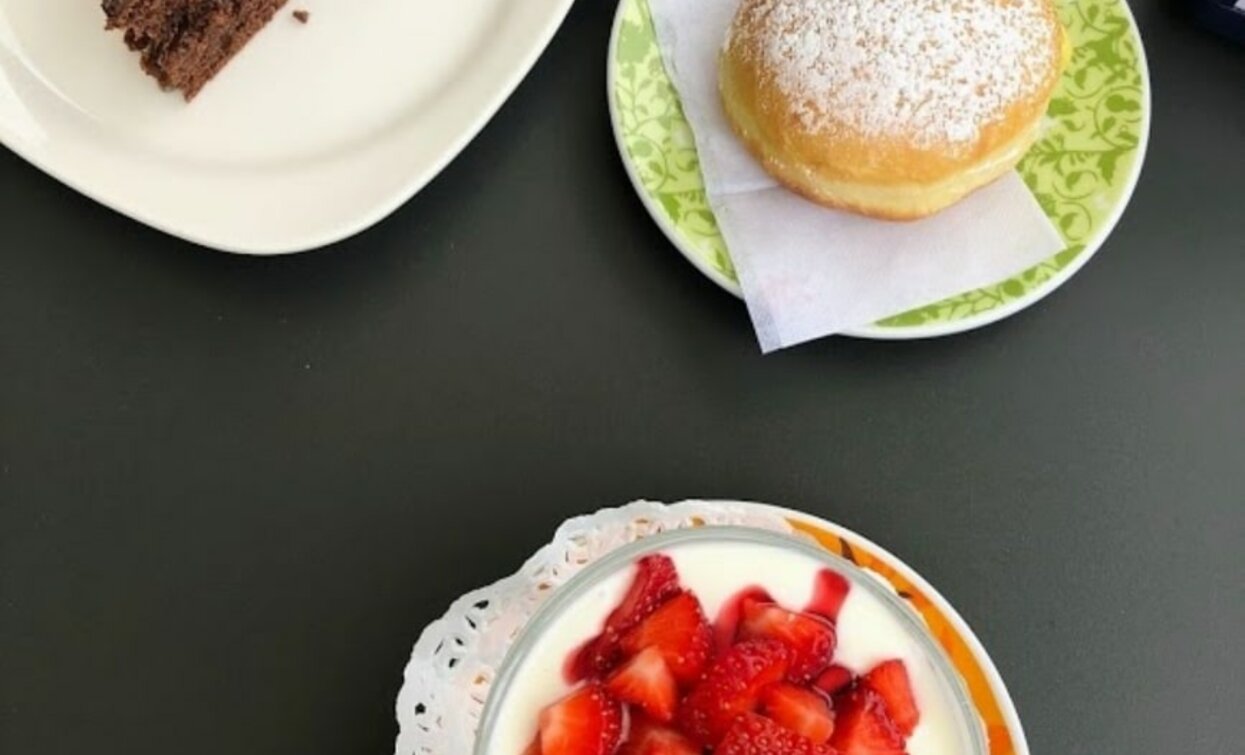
233, 490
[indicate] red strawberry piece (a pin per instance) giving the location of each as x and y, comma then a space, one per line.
534, 747
731, 687
834, 680
754, 735
655, 582
727, 621
586, 722
806, 712
811, 638
646, 681
862, 727
680, 631
829, 593
648, 738
890, 680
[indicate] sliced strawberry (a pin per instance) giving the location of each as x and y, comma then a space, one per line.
731, 687
829, 594
890, 680
534, 747
727, 621
811, 638
806, 712
680, 631
754, 735
646, 681
655, 582
648, 738
862, 727
586, 722
834, 680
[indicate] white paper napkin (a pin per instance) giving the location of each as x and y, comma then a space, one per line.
807, 271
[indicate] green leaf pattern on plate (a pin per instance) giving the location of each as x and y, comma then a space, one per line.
1079, 171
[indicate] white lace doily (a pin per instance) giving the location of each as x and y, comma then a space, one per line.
457, 657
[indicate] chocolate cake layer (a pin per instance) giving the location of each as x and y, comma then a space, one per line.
184, 43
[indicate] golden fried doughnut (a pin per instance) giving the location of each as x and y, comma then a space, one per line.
891, 108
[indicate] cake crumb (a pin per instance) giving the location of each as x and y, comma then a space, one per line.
303, 16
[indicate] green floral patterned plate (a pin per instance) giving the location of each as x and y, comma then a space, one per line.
1082, 172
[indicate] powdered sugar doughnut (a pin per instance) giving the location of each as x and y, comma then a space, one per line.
891, 108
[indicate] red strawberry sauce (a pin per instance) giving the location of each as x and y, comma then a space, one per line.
829, 592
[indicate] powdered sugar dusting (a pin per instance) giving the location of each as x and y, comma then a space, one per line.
934, 71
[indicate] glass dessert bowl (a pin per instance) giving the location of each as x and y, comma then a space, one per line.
727, 640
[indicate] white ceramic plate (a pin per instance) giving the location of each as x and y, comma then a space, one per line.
313, 133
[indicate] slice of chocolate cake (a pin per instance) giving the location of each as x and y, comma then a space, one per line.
184, 43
